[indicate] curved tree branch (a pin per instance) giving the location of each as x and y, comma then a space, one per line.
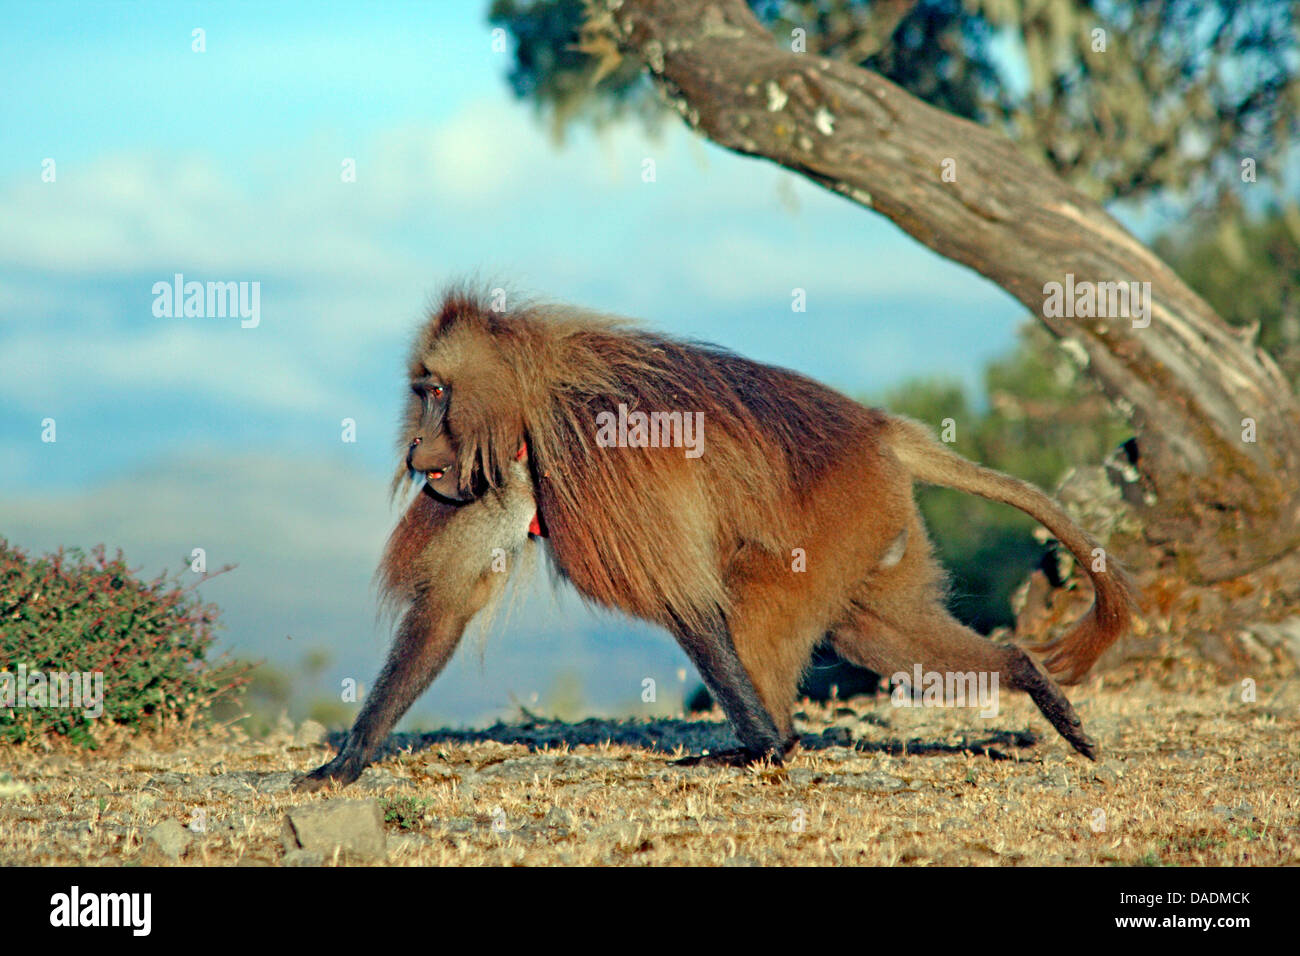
1219, 503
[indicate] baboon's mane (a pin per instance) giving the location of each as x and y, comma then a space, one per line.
644, 522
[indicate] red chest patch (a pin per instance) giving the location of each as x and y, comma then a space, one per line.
534, 526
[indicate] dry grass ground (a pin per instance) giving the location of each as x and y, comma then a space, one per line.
1190, 776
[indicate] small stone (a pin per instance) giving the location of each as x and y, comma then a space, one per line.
303, 858
170, 838
278, 782
233, 784
1105, 775
623, 834
375, 780
142, 803
558, 817
1243, 811
875, 780
407, 843
356, 827
11, 789
1057, 780
166, 781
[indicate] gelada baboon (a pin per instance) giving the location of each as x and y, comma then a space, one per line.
791, 519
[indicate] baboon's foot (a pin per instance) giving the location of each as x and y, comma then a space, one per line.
737, 757
1054, 705
341, 771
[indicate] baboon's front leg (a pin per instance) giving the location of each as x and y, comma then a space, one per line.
423, 646
714, 655
448, 562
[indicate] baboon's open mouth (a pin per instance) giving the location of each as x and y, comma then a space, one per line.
433, 475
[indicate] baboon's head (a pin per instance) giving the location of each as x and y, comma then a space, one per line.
463, 423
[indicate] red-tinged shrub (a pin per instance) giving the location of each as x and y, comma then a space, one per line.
72, 613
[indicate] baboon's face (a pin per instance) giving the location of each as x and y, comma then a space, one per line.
430, 450
462, 416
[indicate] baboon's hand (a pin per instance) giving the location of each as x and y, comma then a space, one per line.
342, 770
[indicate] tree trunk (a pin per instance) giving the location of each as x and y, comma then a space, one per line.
1217, 498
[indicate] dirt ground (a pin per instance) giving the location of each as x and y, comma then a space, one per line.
1189, 776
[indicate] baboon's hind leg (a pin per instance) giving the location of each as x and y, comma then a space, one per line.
932, 638
761, 651
714, 656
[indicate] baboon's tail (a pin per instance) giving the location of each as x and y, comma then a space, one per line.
1068, 657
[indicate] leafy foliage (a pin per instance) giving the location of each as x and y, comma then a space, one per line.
556, 71
70, 612
1122, 98
1248, 268
407, 813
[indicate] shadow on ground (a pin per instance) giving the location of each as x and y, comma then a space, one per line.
668, 736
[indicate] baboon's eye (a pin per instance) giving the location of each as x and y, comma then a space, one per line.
428, 390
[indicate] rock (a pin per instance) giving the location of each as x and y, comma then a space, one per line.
233, 784
1243, 811
11, 789
302, 858
166, 781
514, 770
625, 833
1057, 780
142, 803
170, 838
1105, 775
557, 767
838, 755
558, 817
279, 782
408, 843
875, 781
309, 734
356, 827
375, 780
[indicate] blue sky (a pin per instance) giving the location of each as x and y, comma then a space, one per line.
225, 165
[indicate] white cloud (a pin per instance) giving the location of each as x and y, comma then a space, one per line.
707, 249
230, 367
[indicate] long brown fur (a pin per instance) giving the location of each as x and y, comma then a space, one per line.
705, 546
